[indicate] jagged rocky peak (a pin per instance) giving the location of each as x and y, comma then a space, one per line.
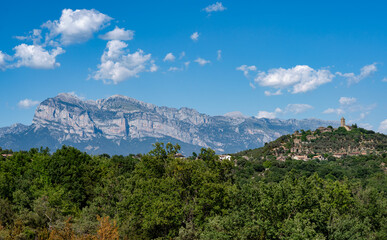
68, 98
13, 129
66, 114
120, 103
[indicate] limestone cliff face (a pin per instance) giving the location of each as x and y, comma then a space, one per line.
119, 123
117, 117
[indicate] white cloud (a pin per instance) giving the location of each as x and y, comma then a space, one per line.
265, 114
383, 127
368, 69
76, 26
27, 103
295, 108
35, 56
347, 100
364, 72
219, 56
350, 105
3, 60
118, 34
338, 111
300, 78
174, 69
246, 69
202, 61
169, 57
118, 65
216, 7
195, 36
278, 92
186, 64
384, 79
35, 36
153, 67
366, 126
182, 54
252, 85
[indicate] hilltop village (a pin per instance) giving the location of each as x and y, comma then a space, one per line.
322, 143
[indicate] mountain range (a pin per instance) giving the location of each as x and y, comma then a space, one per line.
123, 125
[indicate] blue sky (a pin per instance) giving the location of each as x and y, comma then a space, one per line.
275, 59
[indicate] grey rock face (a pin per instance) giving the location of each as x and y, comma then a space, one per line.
122, 125
13, 129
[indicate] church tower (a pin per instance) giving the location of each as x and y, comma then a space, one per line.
342, 122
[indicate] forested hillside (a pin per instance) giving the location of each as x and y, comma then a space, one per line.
72, 195
322, 143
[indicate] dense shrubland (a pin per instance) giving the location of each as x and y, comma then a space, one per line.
72, 195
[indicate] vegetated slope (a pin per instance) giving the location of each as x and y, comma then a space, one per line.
322, 143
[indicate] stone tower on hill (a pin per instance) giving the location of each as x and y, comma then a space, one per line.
342, 122
348, 128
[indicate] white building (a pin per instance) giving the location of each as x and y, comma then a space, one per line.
224, 157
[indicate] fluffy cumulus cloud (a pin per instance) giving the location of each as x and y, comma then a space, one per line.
35, 36
295, 108
118, 65
36, 56
346, 104
299, 79
27, 103
202, 61
246, 69
383, 127
365, 72
153, 67
347, 100
216, 7
75, 26
270, 115
169, 57
350, 107
265, 114
4, 58
276, 93
118, 34
195, 36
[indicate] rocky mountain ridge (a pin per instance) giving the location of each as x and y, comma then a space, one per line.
122, 125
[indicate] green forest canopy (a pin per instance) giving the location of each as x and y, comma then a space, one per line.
158, 196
